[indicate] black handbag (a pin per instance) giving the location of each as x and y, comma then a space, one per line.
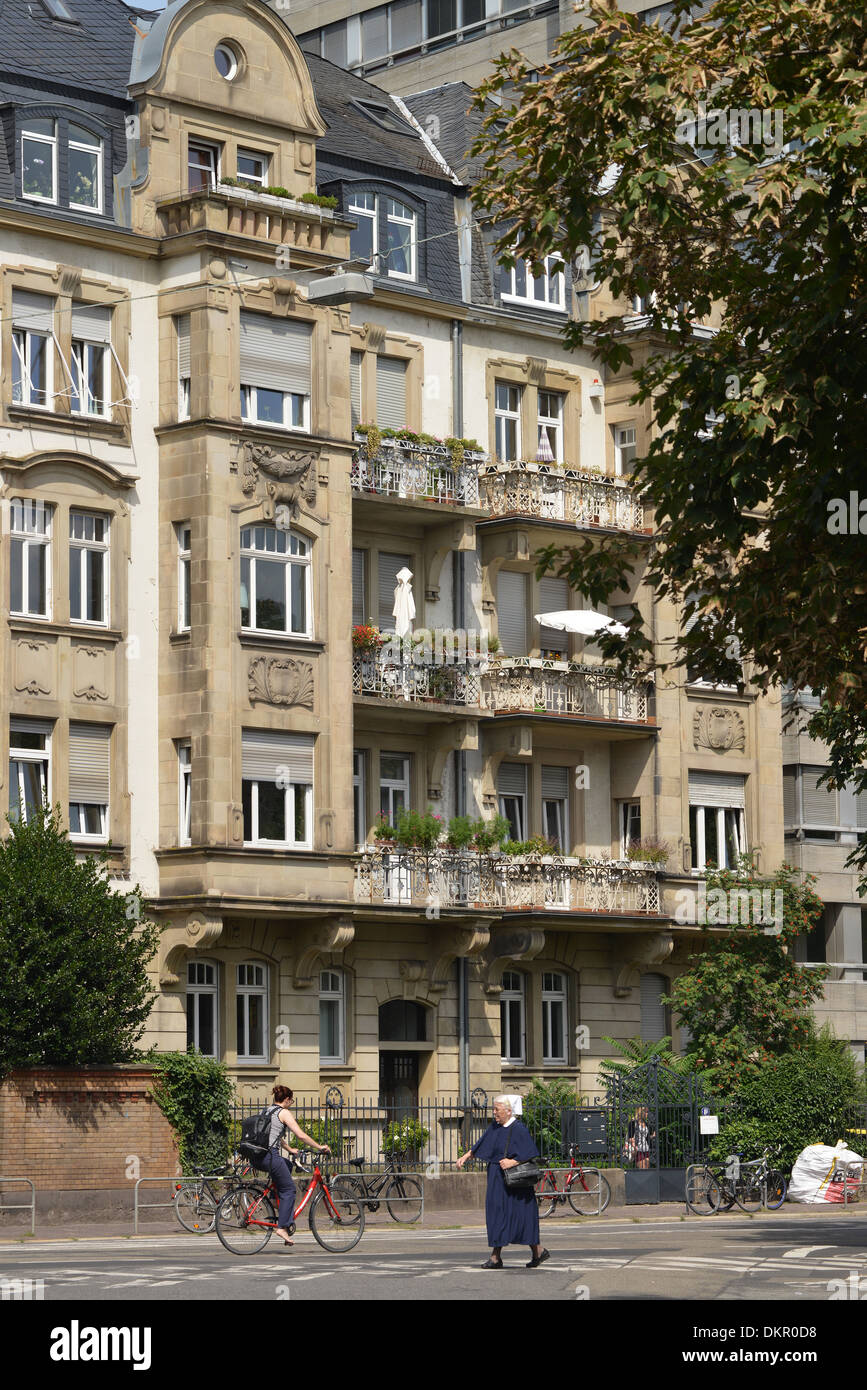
523, 1175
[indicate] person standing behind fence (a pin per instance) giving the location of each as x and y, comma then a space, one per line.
511, 1216
639, 1138
281, 1174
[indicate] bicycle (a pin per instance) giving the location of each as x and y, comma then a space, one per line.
246, 1216
713, 1188
584, 1200
196, 1203
401, 1192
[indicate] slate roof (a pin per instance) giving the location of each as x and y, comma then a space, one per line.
93, 55
457, 126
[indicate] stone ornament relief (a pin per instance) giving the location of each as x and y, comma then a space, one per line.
89, 670
280, 681
290, 477
718, 728
34, 668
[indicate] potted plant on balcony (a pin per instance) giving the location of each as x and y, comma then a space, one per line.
460, 833
384, 834
647, 853
367, 639
490, 834
417, 831
371, 436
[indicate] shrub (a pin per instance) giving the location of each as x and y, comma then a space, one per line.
277, 190
320, 200
460, 832
382, 830
649, 851
542, 1109
404, 1137
537, 844
326, 1131
417, 831
195, 1093
488, 833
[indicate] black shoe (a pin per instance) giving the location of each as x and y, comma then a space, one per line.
492, 1264
534, 1263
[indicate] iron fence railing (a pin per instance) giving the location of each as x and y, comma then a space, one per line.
542, 686
407, 470
549, 493
457, 683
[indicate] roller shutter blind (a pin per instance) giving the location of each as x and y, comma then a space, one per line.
275, 353
790, 814
555, 782
92, 322
89, 763
28, 726
652, 1008
388, 569
263, 752
358, 604
553, 598
820, 803
391, 392
355, 387
861, 817
512, 612
33, 312
512, 779
716, 789
183, 323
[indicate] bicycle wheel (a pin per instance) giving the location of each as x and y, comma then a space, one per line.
196, 1210
341, 1229
748, 1191
546, 1195
240, 1218
593, 1198
355, 1188
406, 1194
703, 1195
777, 1189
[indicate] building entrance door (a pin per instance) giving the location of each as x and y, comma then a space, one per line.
398, 1083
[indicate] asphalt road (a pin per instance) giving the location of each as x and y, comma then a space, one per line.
741, 1259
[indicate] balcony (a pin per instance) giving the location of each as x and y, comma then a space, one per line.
525, 685
239, 212
521, 883
548, 493
416, 472
428, 684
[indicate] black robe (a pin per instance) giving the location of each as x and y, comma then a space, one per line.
512, 1218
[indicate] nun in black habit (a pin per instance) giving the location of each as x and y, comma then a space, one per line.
512, 1217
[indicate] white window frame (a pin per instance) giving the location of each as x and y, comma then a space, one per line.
552, 423
185, 791
330, 995
250, 552
22, 348
406, 218
215, 152
625, 817
51, 142
84, 548
250, 409
507, 997
183, 535
562, 805
554, 995
97, 149
30, 537
504, 415
88, 837
358, 209
264, 160
81, 351
19, 755
359, 795
195, 989
550, 276
244, 991
390, 785
621, 444
291, 792
699, 863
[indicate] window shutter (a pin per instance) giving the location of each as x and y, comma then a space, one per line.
388, 568
716, 789
861, 817
355, 387
512, 779
263, 752
28, 726
553, 598
92, 322
555, 782
358, 605
820, 803
275, 353
89, 763
512, 612
34, 312
183, 323
391, 392
652, 1009
790, 816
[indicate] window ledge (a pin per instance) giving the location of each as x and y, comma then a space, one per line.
21, 622
74, 424
278, 642
180, 639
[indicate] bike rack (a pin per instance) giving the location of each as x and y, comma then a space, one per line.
21, 1206
380, 1197
176, 1180
588, 1191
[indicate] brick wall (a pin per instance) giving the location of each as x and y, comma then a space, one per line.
80, 1128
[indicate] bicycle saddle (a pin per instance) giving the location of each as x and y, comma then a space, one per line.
356, 1162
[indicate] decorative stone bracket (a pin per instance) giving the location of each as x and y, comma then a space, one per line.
316, 939
509, 945
464, 736
451, 942
510, 741
199, 933
631, 956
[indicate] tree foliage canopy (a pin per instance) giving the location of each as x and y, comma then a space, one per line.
73, 954
762, 421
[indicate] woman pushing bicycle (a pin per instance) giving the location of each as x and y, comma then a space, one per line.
281, 1174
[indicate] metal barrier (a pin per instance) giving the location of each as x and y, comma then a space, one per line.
176, 1182
21, 1206
590, 1194
377, 1186
853, 1178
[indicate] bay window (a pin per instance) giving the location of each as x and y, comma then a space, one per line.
275, 581
717, 829
277, 788
275, 371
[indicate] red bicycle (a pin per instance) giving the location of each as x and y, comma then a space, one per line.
586, 1199
246, 1216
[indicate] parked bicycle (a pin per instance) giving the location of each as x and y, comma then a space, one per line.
246, 1216
196, 1201
401, 1192
585, 1198
717, 1187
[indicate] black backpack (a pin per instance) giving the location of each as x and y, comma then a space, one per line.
255, 1133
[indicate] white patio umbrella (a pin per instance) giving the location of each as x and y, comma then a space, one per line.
404, 604
585, 621
544, 453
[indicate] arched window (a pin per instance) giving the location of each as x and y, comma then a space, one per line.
276, 592
202, 1007
402, 1020
512, 1027
252, 1012
554, 1017
332, 1016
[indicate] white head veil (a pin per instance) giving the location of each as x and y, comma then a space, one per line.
514, 1102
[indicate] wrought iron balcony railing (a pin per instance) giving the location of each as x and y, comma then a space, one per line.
423, 471
561, 687
560, 494
458, 684
519, 883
